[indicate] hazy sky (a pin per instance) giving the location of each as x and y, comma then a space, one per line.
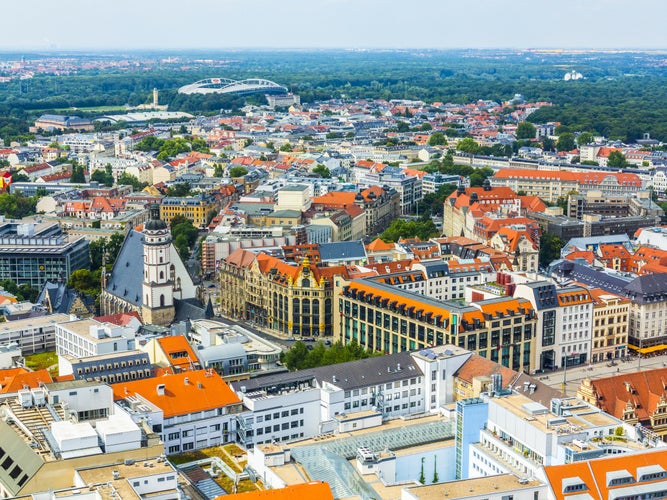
223, 24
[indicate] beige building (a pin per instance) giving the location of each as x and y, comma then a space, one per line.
294, 197
516, 242
268, 292
382, 318
610, 325
550, 185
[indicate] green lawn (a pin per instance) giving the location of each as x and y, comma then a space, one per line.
41, 360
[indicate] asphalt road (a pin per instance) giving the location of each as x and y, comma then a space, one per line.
575, 375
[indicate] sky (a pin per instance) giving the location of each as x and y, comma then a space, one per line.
302, 24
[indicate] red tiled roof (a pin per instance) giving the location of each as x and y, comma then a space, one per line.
15, 379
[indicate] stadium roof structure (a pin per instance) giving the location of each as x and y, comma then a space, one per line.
227, 86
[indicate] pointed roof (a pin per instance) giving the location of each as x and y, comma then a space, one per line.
377, 245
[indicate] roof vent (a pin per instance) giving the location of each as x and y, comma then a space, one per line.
160, 389
186, 380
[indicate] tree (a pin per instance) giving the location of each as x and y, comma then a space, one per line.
300, 357
21, 292
322, 171
237, 171
616, 159
84, 281
286, 148
20, 176
217, 170
104, 177
425, 127
550, 247
179, 190
468, 145
548, 144
399, 228
526, 130
437, 139
479, 175
78, 175
126, 179
402, 127
584, 138
17, 206
565, 142
432, 203
199, 145
184, 235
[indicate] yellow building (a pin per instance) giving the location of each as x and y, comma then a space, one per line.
383, 318
284, 218
294, 300
610, 325
199, 209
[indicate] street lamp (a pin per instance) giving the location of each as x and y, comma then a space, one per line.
639, 355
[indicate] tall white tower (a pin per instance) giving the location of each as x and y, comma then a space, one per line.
157, 286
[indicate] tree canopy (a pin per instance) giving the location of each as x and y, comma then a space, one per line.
237, 171
17, 206
299, 357
423, 229
526, 130
322, 171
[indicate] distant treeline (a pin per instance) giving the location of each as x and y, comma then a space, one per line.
623, 95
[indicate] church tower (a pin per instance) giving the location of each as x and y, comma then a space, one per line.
157, 286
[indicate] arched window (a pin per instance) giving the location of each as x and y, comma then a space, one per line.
161, 275
162, 300
172, 272
305, 283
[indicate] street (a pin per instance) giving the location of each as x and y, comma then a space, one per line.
575, 374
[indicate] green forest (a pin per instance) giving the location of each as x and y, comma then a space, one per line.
622, 96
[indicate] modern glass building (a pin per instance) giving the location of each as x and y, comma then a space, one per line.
36, 253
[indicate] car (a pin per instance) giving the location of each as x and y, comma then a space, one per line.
308, 339
290, 338
327, 342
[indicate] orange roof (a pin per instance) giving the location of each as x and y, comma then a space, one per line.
496, 195
184, 393
316, 490
565, 175
646, 389
598, 294
343, 199
369, 289
477, 366
377, 245
593, 473
512, 238
178, 350
587, 255
573, 297
15, 379
240, 258
495, 307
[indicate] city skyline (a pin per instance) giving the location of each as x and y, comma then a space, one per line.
370, 24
